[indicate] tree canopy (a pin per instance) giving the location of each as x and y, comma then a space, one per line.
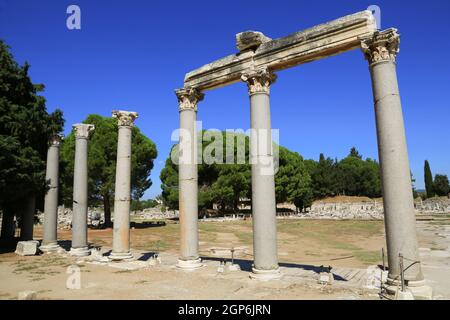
441, 185
102, 157
297, 181
25, 129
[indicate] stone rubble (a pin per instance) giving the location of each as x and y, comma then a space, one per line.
27, 248
27, 295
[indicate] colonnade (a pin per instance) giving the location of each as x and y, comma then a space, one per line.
380, 49
121, 231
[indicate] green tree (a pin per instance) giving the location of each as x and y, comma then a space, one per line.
324, 177
359, 177
137, 205
428, 177
292, 181
225, 184
354, 153
102, 156
25, 129
441, 185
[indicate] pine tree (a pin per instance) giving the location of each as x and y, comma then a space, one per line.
25, 128
428, 180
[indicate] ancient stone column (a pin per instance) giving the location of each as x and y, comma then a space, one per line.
381, 50
121, 231
263, 183
27, 224
49, 242
80, 191
188, 179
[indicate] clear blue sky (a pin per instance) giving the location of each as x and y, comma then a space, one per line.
133, 54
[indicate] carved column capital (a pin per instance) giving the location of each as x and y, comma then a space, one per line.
125, 118
82, 130
188, 98
259, 81
381, 46
55, 140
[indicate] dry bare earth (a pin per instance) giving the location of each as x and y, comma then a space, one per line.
302, 244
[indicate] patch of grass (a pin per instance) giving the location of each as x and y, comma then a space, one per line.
154, 246
369, 257
244, 237
345, 246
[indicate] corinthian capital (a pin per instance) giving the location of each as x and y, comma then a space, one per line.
82, 130
381, 46
55, 140
259, 81
124, 118
188, 98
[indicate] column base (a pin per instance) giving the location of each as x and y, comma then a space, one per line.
80, 252
418, 289
265, 275
189, 265
120, 256
49, 247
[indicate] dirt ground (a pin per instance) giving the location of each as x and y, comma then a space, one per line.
304, 246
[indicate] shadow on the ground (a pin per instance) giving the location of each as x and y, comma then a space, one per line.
147, 224
65, 244
246, 265
147, 255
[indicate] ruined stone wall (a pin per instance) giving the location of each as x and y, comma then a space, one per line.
96, 216
372, 209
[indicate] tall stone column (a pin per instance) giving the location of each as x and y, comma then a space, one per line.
80, 191
381, 50
263, 183
188, 179
49, 242
121, 231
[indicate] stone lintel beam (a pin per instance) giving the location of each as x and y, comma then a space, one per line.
304, 46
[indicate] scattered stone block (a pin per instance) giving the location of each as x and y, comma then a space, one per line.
326, 278
153, 261
404, 295
250, 40
221, 268
27, 295
27, 248
234, 267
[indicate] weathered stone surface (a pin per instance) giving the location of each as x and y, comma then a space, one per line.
27, 248
304, 46
326, 278
248, 40
27, 295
